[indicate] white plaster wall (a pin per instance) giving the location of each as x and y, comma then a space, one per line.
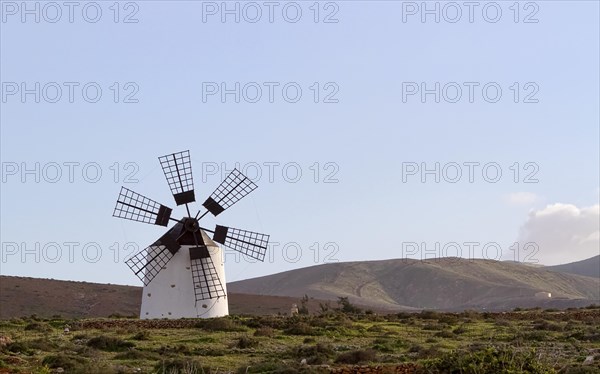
171, 293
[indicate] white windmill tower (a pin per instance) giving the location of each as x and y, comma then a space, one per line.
183, 271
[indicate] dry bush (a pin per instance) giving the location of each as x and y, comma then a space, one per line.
264, 331
109, 344
356, 357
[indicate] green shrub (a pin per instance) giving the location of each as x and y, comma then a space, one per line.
416, 348
432, 327
383, 345
269, 366
502, 323
404, 315
448, 319
134, 354
176, 366
67, 362
444, 334
220, 324
300, 328
423, 352
578, 369
314, 354
211, 352
429, 314
245, 342
489, 360
180, 349
38, 326
19, 347
264, 331
109, 344
471, 314
141, 335
542, 324
356, 357
265, 321
43, 345
345, 306
376, 328
536, 336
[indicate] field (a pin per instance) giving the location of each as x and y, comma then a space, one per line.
332, 340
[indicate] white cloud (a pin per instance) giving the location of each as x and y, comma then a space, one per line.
521, 198
563, 233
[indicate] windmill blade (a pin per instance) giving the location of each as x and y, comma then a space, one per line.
207, 284
178, 171
229, 192
148, 262
250, 243
133, 206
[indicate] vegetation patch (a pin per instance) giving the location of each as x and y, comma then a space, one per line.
109, 344
489, 360
246, 342
356, 357
38, 326
435, 341
67, 362
220, 324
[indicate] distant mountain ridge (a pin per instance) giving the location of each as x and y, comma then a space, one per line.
589, 267
448, 283
387, 285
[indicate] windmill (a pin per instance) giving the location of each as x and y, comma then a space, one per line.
183, 271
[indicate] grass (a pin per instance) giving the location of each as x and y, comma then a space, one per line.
536, 341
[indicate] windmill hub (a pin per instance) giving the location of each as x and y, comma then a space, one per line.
191, 225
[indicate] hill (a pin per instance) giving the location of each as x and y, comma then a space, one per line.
589, 267
389, 285
446, 284
21, 296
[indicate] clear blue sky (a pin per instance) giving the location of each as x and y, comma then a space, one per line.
367, 135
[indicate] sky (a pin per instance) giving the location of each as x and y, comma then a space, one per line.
374, 129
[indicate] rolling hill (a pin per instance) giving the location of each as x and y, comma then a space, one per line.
448, 284
22, 296
589, 267
388, 285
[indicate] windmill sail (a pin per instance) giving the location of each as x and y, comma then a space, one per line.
133, 206
178, 171
250, 243
229, 192
207, 284
148, 262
